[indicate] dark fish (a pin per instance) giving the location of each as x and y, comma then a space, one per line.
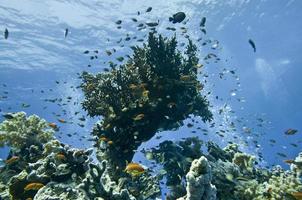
108, 52
177, 17
6, 34
152, 24
291, 131
281, 155
203, 22
252, 43
149, 9
204, 31
171, 29
8, 116
120, 59
86, 52
133, 19
66, 32
118, 22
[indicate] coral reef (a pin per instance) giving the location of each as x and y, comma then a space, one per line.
234, 173
155, 90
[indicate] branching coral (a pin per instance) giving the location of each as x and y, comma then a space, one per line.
156, 89
21, 131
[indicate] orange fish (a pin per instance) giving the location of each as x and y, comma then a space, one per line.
134, 169
62, 120
12, 160
110, 142
33, 186
53, 125
289, 161
297, 195
61, 156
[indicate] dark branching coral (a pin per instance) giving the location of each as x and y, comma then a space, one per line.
155, 90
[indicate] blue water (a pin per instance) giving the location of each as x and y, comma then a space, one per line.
268, 82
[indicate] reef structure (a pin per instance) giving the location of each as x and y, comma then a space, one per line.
156, 89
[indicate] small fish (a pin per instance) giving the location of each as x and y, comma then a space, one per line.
281, 155
12, 160
203, 22
252, 43
297, 195
86, 52
66, 32
118, 22
185, 77
61, 156
53, 126
6, 34
8, 116
177, 17
24, 105
151, 24
146, 93
171, 28
133, 86
103, 138
120, 58
62, 120
149, 9
134, 19
138, 117
171, 104
33, 186
110, 142
108, 52
289, 161
290, 131
134, 169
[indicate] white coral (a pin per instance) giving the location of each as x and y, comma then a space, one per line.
199, 178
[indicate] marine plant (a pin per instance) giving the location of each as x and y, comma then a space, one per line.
156, 89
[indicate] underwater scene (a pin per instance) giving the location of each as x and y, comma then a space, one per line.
150, 100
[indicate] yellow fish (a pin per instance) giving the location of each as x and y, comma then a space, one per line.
145, 93
138, 117
185, 78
